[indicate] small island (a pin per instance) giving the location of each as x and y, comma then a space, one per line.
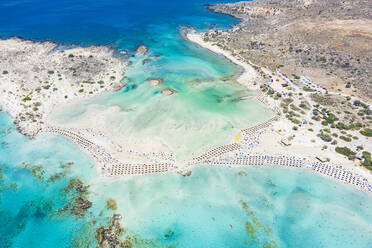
155, 81
168, 92
142, 49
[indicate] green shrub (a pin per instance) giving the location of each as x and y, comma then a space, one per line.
325, 137
357, 103
367, 161
294, 120
347, 139
88, 82
303, 105
366, 132
358, 125
307, 89
331, 118
27, 98
81, 90
341, 125
345, 151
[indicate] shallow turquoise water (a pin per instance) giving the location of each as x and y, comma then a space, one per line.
215, 207
203, 113
284, 206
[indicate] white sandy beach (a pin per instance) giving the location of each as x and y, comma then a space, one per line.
111, 149
270, 142
248, 75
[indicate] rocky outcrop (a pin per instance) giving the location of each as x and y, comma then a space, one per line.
78, 191
244, 9
109, 236
185, 173
168, 92
142, 49
155, 81
118, 86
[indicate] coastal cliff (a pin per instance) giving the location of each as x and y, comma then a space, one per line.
35, 77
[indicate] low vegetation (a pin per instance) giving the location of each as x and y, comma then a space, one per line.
346, 152
366, 132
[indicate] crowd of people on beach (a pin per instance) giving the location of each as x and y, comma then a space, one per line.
98, 153
339, 173
136, 169
250, 139
92, 134
335, 172
253, 130
232, 155
218, 151
227, 155
109, 165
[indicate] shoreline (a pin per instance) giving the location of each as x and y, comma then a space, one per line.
113, 168
196, 38
68, 45
248, 73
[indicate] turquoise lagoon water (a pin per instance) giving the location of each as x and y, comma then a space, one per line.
214, 207
204, 113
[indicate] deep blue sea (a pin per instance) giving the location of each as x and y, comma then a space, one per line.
214, 207
125, 22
